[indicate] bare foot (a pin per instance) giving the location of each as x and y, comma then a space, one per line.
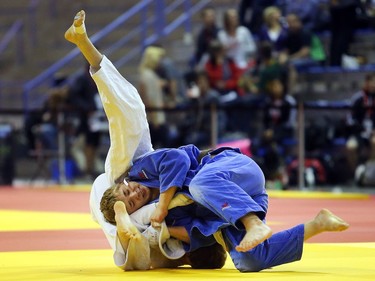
125, 228
79, 21
327, 221
256, 233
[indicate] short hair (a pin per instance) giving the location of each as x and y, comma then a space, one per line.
151, 57
211, 257
206, 9
215, 46
265, 50
107, 203
369, 77
268, 12
227, 15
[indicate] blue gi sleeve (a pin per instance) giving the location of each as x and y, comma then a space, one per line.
193, 153
162, 168
173, 169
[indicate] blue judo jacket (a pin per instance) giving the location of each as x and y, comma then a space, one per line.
165, 168
168, 167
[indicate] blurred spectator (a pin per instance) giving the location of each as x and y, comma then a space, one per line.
268, 68
85, 101
367, 16
365, 173
174, 84
174, 89
361, 121
343, 21
298, 43
237, 40
279, 125
369, 7
201, 97
7, 154
254, 82
251, 11
314, 14
223, 73
41, 126
280, 112
207, 33
151, 87
273, 30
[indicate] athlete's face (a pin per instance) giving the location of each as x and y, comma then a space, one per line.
133, 194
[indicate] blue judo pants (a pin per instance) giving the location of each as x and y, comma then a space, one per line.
232, 185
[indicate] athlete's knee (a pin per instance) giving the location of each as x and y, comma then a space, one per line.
196, 190
249, 265
204, 183
248, 261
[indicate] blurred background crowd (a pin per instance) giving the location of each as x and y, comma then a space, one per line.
275, 77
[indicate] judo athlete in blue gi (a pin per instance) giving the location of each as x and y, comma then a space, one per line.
227, 187
225, 181
225, 197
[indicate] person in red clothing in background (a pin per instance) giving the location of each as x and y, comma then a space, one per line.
222, 72
223, 76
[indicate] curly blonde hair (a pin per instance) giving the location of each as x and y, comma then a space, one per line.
107, 202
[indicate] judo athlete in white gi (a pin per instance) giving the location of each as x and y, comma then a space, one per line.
130, 138
229, 185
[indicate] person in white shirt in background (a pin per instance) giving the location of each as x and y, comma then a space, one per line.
237, 40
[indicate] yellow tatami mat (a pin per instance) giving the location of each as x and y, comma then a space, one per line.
59, 241
328, 262
306, 194
32, 220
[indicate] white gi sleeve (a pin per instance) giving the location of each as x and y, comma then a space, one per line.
128, 127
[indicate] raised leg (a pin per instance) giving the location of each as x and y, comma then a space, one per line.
77, 35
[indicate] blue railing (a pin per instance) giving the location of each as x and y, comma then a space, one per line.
14, 32
184, 18
157, 21
48, 73
28, 14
